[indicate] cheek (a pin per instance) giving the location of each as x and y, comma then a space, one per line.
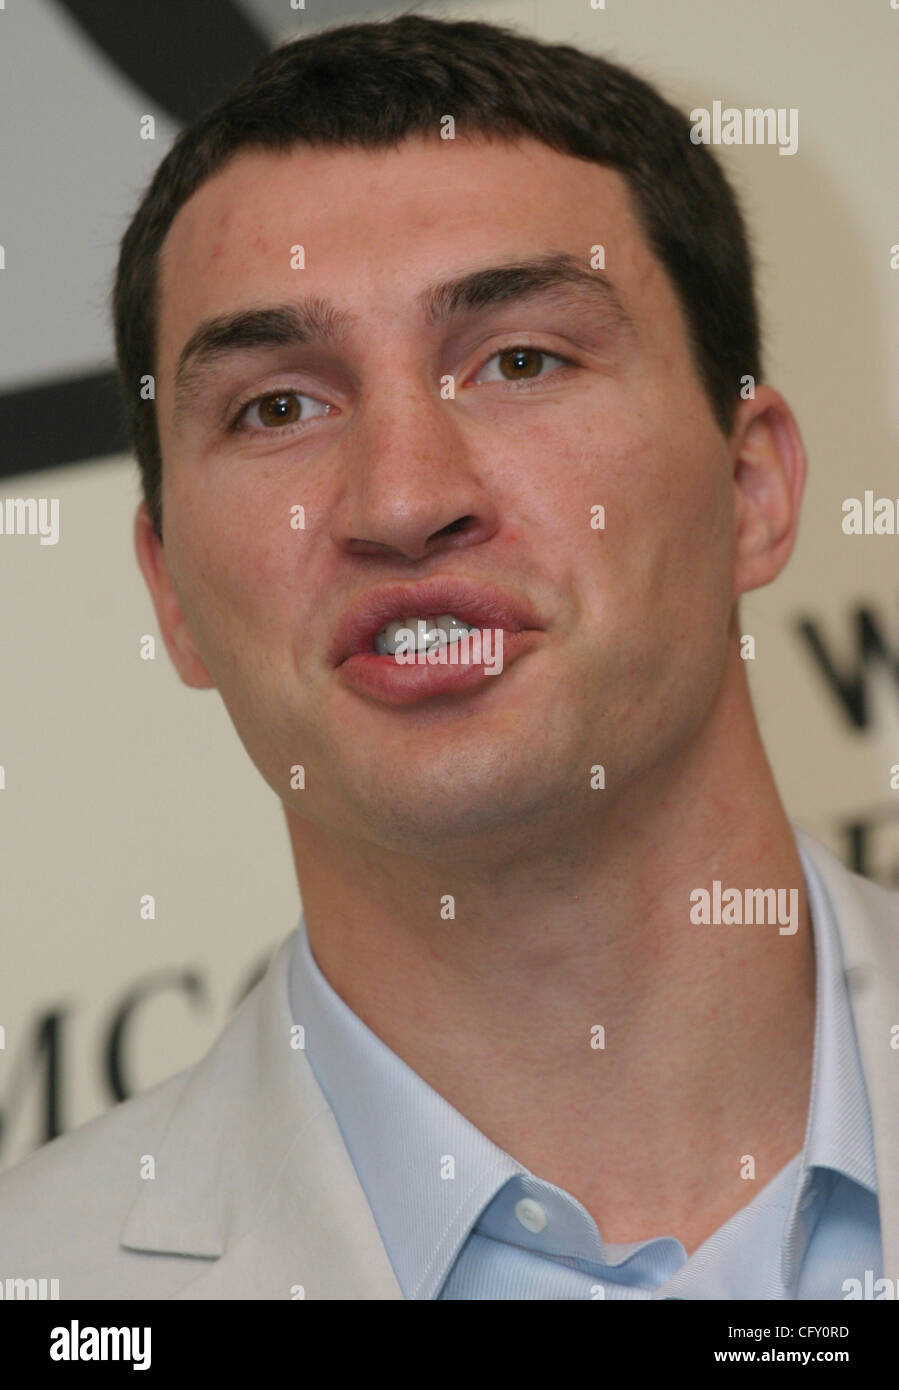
688, 577
232, 585
667, 495
562, 470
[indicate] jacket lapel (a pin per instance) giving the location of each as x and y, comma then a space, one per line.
315, 1236
252, 1172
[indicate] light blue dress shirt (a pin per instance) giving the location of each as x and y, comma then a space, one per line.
461, 1219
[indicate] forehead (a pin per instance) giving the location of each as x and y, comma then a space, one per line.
375, 225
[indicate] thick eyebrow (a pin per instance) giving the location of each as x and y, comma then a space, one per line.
317, 321
483, 289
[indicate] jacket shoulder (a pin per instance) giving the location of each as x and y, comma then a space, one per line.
62, 1207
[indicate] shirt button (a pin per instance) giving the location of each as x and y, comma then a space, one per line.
530, 1214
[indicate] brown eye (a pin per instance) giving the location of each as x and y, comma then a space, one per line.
521, 364
277, 411
282, 409
517, 364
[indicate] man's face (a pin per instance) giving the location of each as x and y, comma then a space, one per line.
495, 484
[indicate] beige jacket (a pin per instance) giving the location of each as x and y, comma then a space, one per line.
254, 1194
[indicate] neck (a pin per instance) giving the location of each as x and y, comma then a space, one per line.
708, 1029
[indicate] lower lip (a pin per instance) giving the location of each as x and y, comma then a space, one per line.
393, 683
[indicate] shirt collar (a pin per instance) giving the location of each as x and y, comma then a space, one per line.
426, 1170
838, 1135
428, 1173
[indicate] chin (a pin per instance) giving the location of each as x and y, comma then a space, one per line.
427, 816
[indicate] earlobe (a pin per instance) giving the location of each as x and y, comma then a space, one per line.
173, 626
769, 475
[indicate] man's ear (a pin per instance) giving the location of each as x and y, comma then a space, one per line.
769, 474
172, 622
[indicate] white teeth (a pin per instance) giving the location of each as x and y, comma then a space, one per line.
426, 632
453, 627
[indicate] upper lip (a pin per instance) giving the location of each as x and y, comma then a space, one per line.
479, 605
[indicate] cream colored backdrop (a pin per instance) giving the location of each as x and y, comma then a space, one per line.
119, 782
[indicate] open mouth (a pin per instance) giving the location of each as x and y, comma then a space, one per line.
436, 611
419, 634
407, 643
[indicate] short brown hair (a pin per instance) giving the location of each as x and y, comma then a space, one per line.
372, 85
